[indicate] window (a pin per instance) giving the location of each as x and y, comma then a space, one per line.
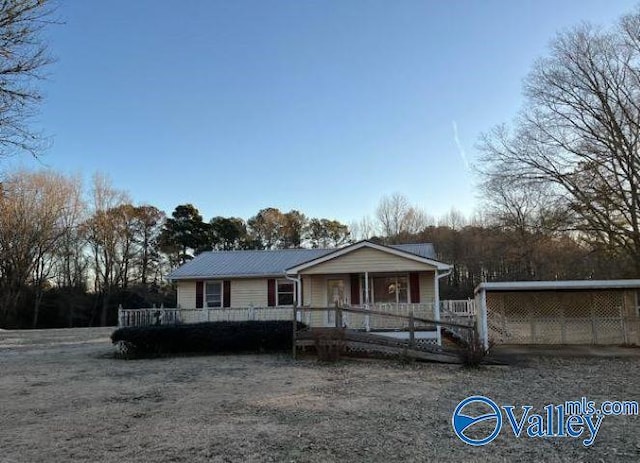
390, 289
285, 292
213, 294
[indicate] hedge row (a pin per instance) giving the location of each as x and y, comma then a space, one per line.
209, 337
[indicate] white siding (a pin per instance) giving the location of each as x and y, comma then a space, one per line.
318, 292
253, 291
249, 292
427, 288
370, 260
244, 293
187, 294
307, 288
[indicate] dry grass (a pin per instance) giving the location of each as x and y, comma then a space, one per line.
64, 398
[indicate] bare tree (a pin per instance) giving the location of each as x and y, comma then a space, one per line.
397, 217
23, 57
108, 238
415, 220
32, 210
391, 213
147, 225
363, 229
580, 133
70, 255
530, 215
453, 219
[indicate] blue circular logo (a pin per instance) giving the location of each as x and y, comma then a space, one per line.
462, 422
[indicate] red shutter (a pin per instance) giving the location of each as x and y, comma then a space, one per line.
414, 286
271, 292
199, 291
226, 293
355, 289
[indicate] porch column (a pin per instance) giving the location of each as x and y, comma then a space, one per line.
436, 307
299, 297
366, 288
481, 320
366, 300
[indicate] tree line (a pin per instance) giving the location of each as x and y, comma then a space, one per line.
70, 257
185, 233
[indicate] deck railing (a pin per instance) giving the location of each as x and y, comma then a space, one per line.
148, 316
408, 327
364, 317
463, 308
173, 316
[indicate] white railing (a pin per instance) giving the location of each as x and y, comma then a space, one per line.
169, 316
377, 321
173, 316
462, 308
148, 316
462, 312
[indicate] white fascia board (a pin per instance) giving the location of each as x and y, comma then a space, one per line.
557, 285
225, 277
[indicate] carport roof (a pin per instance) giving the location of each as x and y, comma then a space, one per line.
558, 285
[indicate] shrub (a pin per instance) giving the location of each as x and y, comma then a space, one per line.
209, 337
330, 346
473, 354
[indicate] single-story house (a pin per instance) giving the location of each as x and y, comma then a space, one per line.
363, 274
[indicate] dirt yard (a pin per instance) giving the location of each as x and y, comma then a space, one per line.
63, 397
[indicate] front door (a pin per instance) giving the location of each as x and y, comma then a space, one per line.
335, 297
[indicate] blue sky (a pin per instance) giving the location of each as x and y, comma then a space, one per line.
321, 106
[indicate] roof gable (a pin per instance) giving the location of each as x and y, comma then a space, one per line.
409, 252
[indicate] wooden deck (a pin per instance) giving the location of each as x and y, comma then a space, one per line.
410, 331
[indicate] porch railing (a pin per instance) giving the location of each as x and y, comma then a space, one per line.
410, 325
148, 316
173, 316
463, 308
365, 317
361, 318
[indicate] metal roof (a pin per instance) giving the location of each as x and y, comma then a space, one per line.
425, 250
260, 263
562, 285
218, 264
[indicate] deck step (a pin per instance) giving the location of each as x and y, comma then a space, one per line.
439, 357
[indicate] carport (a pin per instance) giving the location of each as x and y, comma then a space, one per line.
602, 312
